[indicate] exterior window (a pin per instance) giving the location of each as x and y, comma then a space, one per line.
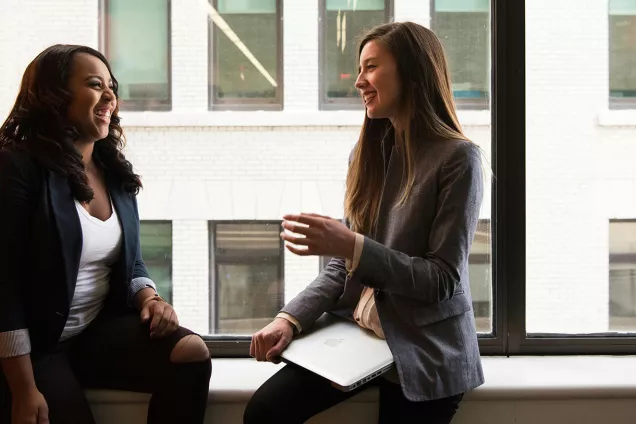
246, 52
247, 276
463, 26
622, 275
343, 22
622, 54
136, 41
156, 250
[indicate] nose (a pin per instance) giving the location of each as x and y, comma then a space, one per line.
361, 81
109, 94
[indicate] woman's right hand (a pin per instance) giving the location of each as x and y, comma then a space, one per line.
269, 343
29, 407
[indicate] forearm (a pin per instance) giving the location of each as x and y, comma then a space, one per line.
428, 279
18, 372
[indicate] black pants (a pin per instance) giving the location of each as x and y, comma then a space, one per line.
116, 352
293, 395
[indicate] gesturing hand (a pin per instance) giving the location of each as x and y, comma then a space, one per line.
323, 236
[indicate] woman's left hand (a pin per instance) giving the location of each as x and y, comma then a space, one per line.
323, 236
163, 319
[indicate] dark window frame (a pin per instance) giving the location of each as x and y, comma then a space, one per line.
324, 102
148, 105
251, 104
463, 103
508, 219
214, 271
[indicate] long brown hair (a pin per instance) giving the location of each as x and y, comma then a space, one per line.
427, 112
38, 125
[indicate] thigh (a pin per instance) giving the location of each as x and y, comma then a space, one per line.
116, 352
293, 395
395, 408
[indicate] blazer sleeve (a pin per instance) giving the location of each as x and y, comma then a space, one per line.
140, 278
436, 276
19, 186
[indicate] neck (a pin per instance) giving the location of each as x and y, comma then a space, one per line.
86, 150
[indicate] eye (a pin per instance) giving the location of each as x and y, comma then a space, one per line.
371, 66
96, 84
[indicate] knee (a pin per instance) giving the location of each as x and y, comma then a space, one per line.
191, 348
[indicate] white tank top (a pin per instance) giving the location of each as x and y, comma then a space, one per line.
100, 249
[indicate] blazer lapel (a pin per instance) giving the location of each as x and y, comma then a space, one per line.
69, 228
123, 204
390, 193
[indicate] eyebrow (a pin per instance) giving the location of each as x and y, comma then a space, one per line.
367, 60
98, 77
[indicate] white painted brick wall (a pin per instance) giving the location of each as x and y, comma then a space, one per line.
189, 55
300, 54
29, 26
190, 273
579, 174
414, 11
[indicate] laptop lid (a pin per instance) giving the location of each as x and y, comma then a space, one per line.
340, 351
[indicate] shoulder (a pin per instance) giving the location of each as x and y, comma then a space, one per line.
443, 153
16, 164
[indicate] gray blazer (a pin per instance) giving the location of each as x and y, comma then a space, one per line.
417, 262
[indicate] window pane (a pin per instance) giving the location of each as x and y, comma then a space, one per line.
480, 274
156, 250
137, 46
580, 176
345, 21
622, 42
249, 279
464, 28
246, 53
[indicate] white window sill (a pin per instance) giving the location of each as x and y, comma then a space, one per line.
344, 118
515, 378
617, 118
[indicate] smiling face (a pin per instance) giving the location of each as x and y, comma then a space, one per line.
93, 100
378, 81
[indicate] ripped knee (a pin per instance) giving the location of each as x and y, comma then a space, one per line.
191, 348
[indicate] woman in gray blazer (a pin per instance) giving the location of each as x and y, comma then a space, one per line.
413, 194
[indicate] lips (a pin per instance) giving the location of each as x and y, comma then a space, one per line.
367, 97
104, 114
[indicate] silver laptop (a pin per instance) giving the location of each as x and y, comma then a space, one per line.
340, 351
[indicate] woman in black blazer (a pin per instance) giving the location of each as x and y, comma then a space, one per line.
77, 308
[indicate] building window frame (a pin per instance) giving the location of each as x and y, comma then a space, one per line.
617, 102
149, 261
251, 104
136, 105
464, 103
326, 103
214, 300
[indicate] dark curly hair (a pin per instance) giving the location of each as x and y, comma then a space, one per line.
38, 124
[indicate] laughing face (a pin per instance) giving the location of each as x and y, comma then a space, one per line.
93, 101
378, 81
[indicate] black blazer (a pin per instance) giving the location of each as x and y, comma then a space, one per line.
41, 245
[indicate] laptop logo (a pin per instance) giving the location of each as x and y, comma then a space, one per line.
333, 342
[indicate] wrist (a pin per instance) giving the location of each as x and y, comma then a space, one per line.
351, 246
291, 325
153, 298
